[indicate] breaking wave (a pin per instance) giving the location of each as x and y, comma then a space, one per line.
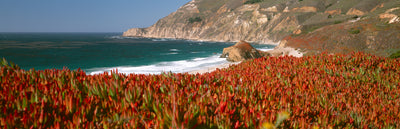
180, 66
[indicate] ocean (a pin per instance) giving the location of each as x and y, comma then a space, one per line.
102, 52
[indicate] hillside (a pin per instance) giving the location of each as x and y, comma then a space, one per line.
270, 21
376, 31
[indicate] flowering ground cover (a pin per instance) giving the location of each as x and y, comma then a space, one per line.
326, 91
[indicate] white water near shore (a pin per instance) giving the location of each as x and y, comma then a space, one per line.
180, 66
192, 66
221, 66
286, 51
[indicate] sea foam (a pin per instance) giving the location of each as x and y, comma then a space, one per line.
265, 49
180, 66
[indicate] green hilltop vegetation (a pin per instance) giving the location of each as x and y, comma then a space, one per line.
196, 19
395, 55
252, 1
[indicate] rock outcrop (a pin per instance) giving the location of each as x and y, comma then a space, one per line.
305, 9
241, 51
354, 11
388, 15
333, 12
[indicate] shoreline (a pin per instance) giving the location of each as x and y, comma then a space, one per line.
204, 40
276, 52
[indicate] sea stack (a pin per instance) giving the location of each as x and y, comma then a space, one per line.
241, 51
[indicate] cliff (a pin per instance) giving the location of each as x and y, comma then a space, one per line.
232, 20
270, 21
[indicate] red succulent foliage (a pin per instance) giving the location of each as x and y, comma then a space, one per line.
338, 91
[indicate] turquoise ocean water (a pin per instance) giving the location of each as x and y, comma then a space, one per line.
100, 52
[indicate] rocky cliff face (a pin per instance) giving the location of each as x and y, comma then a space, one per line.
268, 21
232, 20
221, 20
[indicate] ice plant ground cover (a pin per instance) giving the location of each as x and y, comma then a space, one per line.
326, 91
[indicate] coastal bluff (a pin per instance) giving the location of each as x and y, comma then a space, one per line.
311, 26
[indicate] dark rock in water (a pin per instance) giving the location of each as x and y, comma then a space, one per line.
241, 51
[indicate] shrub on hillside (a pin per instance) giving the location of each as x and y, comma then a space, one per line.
337, 22
354, 31
252, 1
193, 20
395, 55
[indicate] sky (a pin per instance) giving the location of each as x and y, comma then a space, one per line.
82, 15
